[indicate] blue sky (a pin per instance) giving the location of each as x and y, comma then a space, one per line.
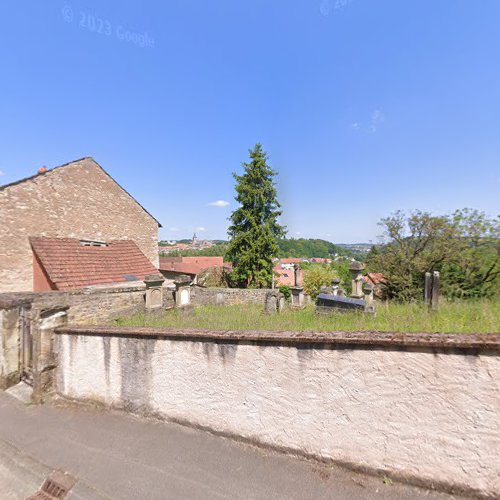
364, 106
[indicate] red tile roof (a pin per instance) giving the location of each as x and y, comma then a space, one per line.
70, 265
189, 265
320, 260
290, 260
286, 277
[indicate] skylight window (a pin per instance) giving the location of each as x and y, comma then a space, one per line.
93, 243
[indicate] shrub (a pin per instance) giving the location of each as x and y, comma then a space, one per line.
285, 290
213, 277
317, 276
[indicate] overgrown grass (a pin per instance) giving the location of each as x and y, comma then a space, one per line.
473, 316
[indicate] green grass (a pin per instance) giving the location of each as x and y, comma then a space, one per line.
479, 316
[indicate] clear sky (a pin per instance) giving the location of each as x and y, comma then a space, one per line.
364, 106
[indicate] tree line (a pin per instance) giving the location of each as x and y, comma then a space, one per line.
463, 246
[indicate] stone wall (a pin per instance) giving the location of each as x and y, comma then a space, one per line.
227, 296
78, 200
97, 305
423, 408
9, 347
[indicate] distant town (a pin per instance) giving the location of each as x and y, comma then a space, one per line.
195, 244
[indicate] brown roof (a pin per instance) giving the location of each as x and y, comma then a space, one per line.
69, 264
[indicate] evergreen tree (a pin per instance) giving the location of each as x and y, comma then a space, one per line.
254, 228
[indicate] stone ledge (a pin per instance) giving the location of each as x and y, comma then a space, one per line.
472, 341
13, 299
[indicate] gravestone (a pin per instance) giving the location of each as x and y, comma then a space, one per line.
154, 291
274, 303
356, 269
327, 303
220, 299
335, 286
369, 301
182, 291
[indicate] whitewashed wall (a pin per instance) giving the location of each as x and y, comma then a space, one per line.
422, 414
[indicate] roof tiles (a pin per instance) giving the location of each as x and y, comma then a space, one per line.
69, 264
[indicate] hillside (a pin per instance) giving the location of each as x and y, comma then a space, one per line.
308, 248
301, 247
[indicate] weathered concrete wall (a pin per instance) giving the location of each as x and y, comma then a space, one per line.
429, 413
76, 201
227, 296
9, 347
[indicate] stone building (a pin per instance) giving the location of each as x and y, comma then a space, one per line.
78, 200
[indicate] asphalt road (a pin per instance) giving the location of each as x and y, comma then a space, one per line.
119, 456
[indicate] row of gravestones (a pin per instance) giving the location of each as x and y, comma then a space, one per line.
154, 291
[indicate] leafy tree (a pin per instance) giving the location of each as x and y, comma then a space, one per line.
308, 248
254, 228
475, 271
463, 246
341, 269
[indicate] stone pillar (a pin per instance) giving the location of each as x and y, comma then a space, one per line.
356, 269
369, 302
43, 324
432, 290
296, 272
435, 290
182, 291
428, 288
335, 286
154, 291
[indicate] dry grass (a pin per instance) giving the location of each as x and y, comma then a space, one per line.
474, 316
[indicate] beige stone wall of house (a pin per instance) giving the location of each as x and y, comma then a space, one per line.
412, 412
78, 200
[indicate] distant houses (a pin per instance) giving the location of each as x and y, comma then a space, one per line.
174, 246
73, 226
172, 267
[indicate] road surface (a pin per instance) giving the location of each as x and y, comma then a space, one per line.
114, 455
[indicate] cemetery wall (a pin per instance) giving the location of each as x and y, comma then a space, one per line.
92, 305
227, 296
424, 408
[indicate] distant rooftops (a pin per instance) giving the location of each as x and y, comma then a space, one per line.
189, 265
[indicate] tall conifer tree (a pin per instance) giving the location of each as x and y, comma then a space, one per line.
254, 226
